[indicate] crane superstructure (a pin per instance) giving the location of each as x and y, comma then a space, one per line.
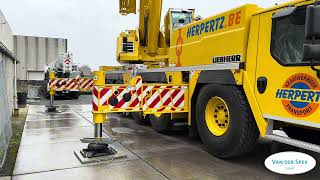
232, 77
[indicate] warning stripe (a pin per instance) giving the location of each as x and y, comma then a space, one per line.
143, 97
63, 84
95, 100
134, 103
173, 95
157, 100
121, 88
104, 95
136, 94
86, 84
120, 101
164, 96
179, 102
70, 84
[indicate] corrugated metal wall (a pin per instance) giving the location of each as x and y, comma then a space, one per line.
6, 87
36, 52
6, 39
5, 111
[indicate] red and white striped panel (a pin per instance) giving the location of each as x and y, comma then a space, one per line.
110, 93
163, 98
85, 85
148, 98
63, 85
52, 83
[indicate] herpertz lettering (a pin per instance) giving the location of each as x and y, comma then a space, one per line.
206, 27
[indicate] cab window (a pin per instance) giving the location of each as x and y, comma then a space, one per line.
180, 19
288, 38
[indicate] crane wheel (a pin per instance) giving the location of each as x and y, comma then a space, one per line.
161, 122
225, 122
139, 118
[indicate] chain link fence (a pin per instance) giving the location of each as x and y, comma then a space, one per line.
5, 120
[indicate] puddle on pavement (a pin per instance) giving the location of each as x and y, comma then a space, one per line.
123, 130
140, 131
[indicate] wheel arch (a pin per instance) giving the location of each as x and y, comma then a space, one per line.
222, 77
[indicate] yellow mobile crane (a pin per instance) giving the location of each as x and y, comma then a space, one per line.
233, 76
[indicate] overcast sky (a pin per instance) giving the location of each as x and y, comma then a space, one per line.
92, 26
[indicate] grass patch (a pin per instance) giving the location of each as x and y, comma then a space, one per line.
17, 129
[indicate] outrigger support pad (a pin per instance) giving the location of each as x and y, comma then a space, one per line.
97, 147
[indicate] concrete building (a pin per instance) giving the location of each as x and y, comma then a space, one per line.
7, 62
36, 52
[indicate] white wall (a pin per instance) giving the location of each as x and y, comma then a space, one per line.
6, 38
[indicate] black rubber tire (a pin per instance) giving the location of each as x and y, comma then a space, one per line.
299, 133
76, 96
139, 118
162, 124
125, 115
242, 134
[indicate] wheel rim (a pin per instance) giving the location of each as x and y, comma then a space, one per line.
217, 116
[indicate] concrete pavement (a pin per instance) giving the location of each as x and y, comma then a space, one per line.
49, 139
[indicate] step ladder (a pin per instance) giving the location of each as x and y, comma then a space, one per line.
290, 141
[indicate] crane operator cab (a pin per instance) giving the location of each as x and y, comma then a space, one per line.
175, 19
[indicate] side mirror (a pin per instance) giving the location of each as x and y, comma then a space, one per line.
312, 32
312, 22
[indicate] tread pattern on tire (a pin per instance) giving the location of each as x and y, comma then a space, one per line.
251, 132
